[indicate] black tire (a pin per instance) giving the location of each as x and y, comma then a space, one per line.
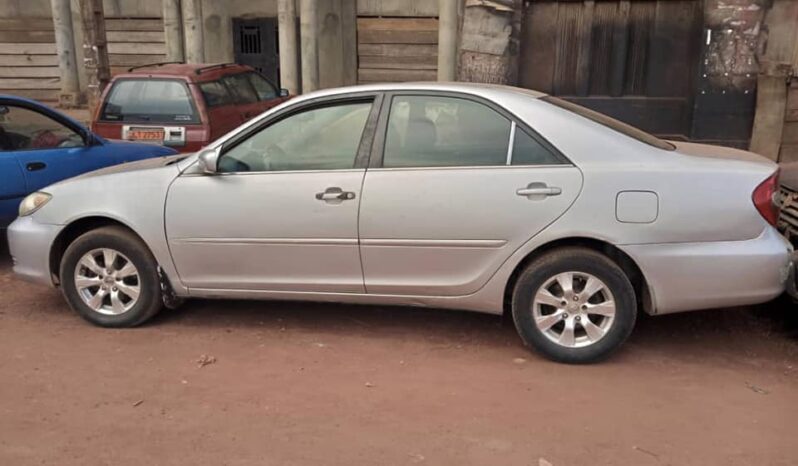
574, 259
149, 300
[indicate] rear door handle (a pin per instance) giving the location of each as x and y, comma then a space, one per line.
35, 166
538, 191
335, 195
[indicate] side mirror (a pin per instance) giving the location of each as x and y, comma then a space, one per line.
283, 92
208, 160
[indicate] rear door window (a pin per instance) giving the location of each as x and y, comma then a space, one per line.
149, 101
215, 94
433, 131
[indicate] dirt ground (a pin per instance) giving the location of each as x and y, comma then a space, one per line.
297, 383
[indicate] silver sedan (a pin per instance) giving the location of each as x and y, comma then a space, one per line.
485, 198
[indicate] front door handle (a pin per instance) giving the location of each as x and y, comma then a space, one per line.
335, 195
35, 166
538, 191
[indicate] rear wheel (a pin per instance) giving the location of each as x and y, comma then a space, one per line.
110, 278
574, 305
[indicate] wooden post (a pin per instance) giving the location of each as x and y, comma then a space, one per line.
173, 30
490, 41
95, 50
448, 22
308, 29
286, 28
192, 31
65, 47
776, 67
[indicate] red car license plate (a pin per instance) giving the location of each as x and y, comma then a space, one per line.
145, 134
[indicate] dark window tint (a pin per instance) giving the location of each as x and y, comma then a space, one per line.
263, 88
611, 123
431, 131
325, 138
529, 151
215, 94
23, 129
149, 100
241, 88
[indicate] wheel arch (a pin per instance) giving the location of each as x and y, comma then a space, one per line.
643, 292
72, 231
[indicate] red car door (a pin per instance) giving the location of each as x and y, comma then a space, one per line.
223, 110
268, 95
248, 104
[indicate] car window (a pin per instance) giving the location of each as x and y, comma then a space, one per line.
610, 123
241, 88
149, 100
432, 131
529, 151
215, 94
263, 88
24, 129
325, 138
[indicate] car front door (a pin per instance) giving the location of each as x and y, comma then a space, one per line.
281, 214
48, 148
454, 187
222, 109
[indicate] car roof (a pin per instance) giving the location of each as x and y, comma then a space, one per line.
192, 72
478, 89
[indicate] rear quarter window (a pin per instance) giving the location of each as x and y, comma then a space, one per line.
149, 101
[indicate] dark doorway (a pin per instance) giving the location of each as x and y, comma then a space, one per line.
255, 44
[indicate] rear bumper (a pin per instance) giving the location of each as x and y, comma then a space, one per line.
691, 276
29, 243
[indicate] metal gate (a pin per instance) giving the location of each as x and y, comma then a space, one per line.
634, 60
255, 44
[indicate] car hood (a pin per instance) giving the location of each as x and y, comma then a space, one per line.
133, 166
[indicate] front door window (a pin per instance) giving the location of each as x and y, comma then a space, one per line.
325, 138
24, 129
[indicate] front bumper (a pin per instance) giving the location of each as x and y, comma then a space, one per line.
29, 243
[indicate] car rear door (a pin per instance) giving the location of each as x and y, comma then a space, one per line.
247, 102
221, 107
281, 214
455, 185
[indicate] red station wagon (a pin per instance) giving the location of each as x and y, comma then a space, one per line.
182, 106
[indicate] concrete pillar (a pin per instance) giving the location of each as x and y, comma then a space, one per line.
65, 47
217, 31
289, 56
447, 40
308, 30
173, 30
192, 31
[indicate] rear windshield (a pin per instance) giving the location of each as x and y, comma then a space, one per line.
610, 123
149, 100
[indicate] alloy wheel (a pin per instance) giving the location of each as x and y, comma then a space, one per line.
107, 281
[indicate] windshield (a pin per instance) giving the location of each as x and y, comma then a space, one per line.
610, 123
149, 100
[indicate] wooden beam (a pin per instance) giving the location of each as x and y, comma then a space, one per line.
771, 97
95, 50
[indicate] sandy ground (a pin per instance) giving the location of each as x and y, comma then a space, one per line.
297, 383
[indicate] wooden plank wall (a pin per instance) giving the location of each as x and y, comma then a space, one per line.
28, 61
397, 49
134, 42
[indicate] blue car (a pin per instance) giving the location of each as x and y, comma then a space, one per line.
39, 146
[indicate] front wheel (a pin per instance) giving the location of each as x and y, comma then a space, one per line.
110, 278
574, 305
